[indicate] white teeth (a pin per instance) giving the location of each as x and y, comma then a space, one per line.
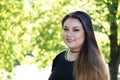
70, 40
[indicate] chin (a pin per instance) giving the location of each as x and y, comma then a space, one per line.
71, 47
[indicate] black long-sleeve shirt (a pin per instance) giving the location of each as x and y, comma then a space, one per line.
61, 68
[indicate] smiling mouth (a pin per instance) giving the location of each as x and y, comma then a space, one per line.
70, 40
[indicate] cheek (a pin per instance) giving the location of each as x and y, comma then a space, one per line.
63, 34
81, 37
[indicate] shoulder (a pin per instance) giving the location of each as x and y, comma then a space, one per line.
60, 54
56, 59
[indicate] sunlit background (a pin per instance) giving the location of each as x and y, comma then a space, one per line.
31, 72
28, 72
30, 34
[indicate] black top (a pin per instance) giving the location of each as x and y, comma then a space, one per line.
61, 68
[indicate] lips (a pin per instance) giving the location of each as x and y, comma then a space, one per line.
70, 40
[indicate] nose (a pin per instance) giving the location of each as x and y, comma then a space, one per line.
69, 34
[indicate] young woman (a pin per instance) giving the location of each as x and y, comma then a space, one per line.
82, 60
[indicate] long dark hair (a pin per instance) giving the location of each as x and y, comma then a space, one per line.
89, 64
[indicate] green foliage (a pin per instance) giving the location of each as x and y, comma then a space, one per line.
30, 30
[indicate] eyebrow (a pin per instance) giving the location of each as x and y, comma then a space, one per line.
73, 26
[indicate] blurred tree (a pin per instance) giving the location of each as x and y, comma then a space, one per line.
114, 45
30, 30
110, 9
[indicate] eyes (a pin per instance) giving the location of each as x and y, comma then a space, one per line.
74, 29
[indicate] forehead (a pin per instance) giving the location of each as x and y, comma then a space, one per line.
72, 22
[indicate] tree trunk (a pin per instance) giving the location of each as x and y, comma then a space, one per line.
114, 51
114, 56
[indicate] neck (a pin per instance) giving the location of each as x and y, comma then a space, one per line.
71, 51
71, 56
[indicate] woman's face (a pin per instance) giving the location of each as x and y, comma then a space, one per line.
73, 34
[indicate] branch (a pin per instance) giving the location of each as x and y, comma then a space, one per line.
104, 30
119, 52
104, 1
